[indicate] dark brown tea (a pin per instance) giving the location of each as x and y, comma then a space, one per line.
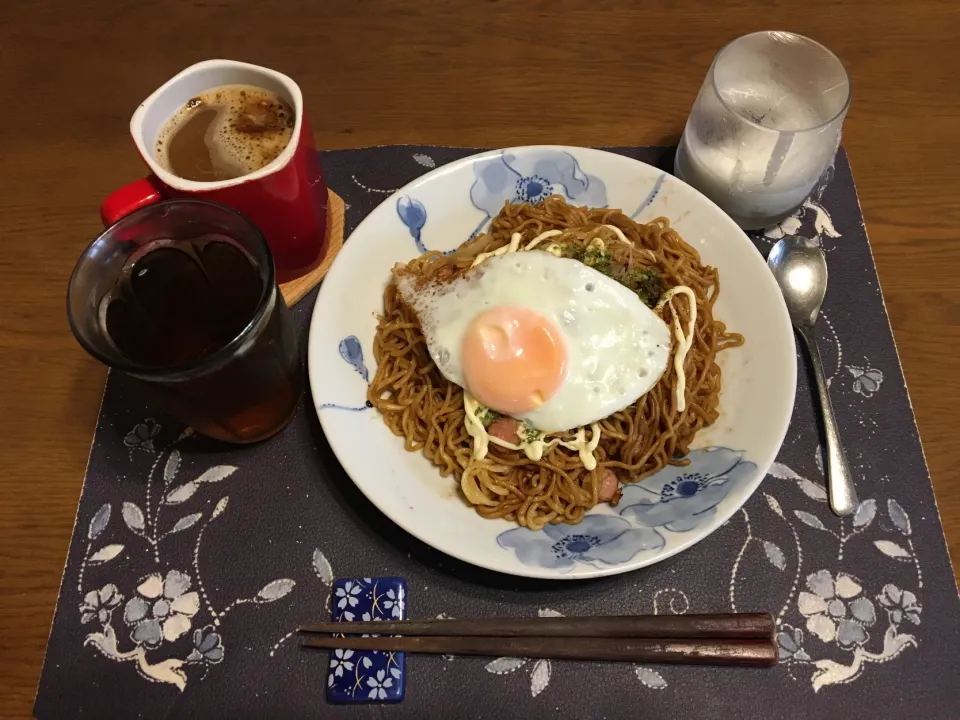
225, 133
199, 306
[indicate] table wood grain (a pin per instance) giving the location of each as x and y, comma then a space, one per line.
493, 73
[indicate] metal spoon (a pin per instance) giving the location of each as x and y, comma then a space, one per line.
800, 269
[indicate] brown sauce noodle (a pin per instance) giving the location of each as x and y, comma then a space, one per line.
420, 405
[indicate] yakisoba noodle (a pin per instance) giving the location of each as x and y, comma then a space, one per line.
427, 410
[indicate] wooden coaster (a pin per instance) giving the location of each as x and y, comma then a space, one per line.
294, 290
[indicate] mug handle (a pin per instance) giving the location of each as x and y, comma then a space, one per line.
138, 194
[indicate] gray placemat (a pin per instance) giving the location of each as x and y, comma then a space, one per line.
240, 544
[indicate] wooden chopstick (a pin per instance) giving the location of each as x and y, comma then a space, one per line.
704, 651
729, 626
745, 639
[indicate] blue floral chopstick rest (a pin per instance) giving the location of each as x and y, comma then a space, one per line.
367, 676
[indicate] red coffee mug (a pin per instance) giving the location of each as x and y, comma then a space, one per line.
286, 199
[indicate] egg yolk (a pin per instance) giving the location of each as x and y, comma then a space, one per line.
514, 359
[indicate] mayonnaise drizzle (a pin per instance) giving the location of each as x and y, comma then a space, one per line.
584, 447
514, 245
683, 343
552, 248
475, 428
533, 449
542, 236
619, 234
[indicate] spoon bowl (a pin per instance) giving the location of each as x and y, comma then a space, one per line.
800, 269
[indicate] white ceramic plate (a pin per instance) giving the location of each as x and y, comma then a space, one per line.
656, 518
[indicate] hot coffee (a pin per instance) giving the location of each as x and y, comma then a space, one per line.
224, 133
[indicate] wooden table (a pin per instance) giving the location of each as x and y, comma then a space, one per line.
425, 71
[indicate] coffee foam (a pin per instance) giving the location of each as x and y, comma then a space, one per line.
252, 127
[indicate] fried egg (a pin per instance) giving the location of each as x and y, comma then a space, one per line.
543, 339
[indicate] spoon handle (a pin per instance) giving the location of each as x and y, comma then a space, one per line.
843, 496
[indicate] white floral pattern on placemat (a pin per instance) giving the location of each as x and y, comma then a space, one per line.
166, 605
812, 217
842, 613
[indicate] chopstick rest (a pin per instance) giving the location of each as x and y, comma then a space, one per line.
367, 676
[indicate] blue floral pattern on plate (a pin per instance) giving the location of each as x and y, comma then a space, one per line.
363, 676
414, 215
651, 196
681, 499
603, 539
531, 177
677, 499
352, 354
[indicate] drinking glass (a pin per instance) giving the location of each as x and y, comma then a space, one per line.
765, 126
187, 289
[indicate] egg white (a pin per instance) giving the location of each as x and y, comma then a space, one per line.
617, 347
